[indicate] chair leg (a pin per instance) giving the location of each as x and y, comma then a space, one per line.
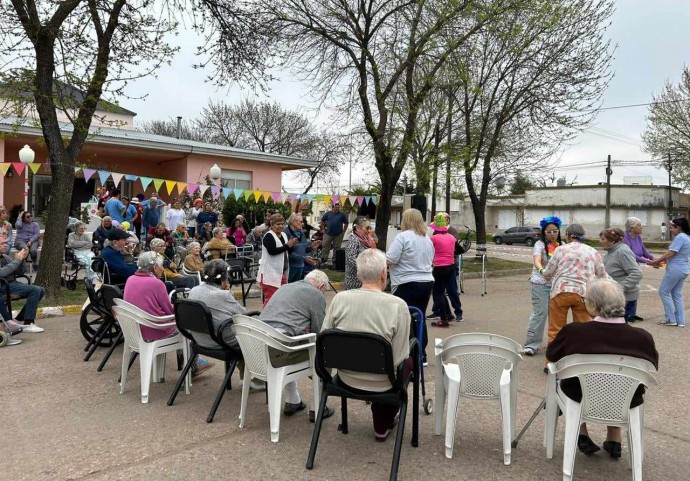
98, 337
125, 367
245, 396
146, 367
440, 402
219, 396
180, 380
451, 413
275, 402
506, 412
398, 442
132, 357
117, 341
343, 415
415, 405
317, 431
572, 429
635, 436
230, 367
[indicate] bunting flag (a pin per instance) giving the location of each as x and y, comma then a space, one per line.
248, 194
266, 195
374, 199
170, 185
367, 199
360, 200
77, 169
326, 199
103, 174
310, 197
215, 191
191, 188
257, 195
19, 167
276, 197
181, 186
226, 192
353, 199
157, 183
145, 181
117, 178
4, 167
34, 166
343, 199
131, 178
293, 197
88, 173
284, 197
202, 189
237, 193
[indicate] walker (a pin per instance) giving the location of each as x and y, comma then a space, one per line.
428, 404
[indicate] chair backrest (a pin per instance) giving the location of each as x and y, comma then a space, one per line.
130, 327
91, 292
236, 269
194, 318
481, 364
335, 348
481, 337
132, 313
608, 383
99, 265
109, 293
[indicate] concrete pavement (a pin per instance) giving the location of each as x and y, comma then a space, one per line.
63, 420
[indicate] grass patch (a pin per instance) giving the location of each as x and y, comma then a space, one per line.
67, 298
474, 264
335, 276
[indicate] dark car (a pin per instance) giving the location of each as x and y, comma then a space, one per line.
517, 235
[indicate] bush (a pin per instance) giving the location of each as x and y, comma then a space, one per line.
254, 211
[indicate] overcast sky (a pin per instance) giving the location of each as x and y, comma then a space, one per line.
652, 39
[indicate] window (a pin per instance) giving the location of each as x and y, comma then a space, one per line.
512, 230
236, 179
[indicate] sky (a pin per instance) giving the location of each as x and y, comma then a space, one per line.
651, 39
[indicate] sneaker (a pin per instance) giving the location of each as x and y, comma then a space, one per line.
458, 319
681, 325
433, 316
381, 437
425, 363
327, 413
32, 328
13, 341
528, 351
669, 324
202, 368
257, 385
292, 408
440, 324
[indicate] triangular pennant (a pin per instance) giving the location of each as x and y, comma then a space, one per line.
248, 194
145, 181
343, 199
360, 200
353, 199
170, 185
293, 197
19, 167
215, 191
117, 178
157, 183
4, 167
226, 192
202, 189
181, 186
238, 193
310, 197
367, 199
34, 166
257, 195
88, 173
131, 178
77, 169
284, 197
374, 199
326, 199
267, 195
191, 188
103, 174
276, 196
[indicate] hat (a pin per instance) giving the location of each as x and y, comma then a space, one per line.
575, 230
198, 201
117, 234
135, 200
439, 224
126, 225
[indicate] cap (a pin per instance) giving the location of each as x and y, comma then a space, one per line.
117, 234
135, 200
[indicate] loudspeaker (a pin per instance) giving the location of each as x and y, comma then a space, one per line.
419, 203
339, 263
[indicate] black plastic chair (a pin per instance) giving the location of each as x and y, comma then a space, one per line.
334, 350
106, 298
193, 318
239, 277
7, 297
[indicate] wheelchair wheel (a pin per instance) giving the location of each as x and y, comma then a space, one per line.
428, 406
4, 338
71, 284
89, 323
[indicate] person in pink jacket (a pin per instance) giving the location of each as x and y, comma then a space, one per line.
444, 267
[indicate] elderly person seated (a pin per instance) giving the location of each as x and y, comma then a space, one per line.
219, 246
113, 256
27, 235
101, 234
161, 232
256, 236
81, 245
205, 233
170, 268
370, 310
9, 270
193, 261
608, 333
297, 308
145, 290
633, 239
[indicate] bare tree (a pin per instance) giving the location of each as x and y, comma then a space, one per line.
189, 130
96, 47
668, 128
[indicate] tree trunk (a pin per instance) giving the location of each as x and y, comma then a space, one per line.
383, 212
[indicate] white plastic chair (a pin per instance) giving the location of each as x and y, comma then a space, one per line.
130, 319
255, 337
185, 272
608, 384
484, 368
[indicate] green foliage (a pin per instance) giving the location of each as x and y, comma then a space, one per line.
521, 183
254, 211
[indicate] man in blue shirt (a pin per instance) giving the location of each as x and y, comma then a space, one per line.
114, 206
112, 256
130, 213
336, 225
151, 215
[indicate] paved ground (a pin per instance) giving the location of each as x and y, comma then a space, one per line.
63, 420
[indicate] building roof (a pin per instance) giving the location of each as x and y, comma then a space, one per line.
143, 140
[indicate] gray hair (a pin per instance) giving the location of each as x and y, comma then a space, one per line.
77, 225
319, 277
156, 243
107, 217
370, 264
293, 216
217, 230
215, 272
192, 245
606, 295
259, 229
632, 222
148, 260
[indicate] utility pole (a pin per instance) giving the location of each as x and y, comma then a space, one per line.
670, 199
607, 220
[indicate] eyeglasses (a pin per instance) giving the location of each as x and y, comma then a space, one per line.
551, 232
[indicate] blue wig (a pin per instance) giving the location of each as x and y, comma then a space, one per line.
552, 219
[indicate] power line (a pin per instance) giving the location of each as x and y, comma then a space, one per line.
628, 106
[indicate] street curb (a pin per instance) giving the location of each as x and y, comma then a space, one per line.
57, 311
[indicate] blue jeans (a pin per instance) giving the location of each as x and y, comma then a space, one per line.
630, 310
32, 294
671, 293
541, 294
295, 273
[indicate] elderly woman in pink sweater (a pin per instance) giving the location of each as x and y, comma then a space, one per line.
147, 291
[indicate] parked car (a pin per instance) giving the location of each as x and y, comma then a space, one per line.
517, 235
